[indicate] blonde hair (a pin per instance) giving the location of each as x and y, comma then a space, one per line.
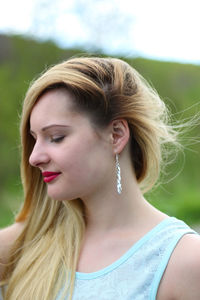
45, 256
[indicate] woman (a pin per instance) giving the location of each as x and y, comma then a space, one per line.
94, 136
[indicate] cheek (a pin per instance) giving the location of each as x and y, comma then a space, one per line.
85, 160
73, 154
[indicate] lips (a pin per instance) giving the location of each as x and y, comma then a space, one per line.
49, 176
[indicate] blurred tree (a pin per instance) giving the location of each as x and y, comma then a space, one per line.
178, 84
109, 26
98, 25
5, 48
44, 17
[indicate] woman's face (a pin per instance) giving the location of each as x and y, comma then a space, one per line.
75, 161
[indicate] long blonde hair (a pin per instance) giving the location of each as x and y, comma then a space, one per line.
45, 256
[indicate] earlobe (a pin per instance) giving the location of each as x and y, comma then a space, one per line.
120, 134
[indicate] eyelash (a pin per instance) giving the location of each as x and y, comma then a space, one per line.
57, 140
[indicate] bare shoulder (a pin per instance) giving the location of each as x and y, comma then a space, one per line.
8, 236
182, 276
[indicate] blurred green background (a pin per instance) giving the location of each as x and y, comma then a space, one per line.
22, 59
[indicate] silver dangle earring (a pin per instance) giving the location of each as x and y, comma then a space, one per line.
118, 173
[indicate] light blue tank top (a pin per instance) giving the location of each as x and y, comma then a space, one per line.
137, 274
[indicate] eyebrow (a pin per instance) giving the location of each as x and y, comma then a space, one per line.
50, 126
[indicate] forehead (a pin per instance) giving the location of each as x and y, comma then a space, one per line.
59, 98
57, 107
53, 104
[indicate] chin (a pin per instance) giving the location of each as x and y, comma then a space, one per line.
60, 197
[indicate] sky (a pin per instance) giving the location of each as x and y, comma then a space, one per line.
157, 29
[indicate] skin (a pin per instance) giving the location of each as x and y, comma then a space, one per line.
86, 159
65, 142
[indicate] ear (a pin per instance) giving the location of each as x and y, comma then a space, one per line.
120, 134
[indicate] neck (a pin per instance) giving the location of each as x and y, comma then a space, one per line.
106, 210
109, 211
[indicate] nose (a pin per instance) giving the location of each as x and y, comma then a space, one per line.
39, 155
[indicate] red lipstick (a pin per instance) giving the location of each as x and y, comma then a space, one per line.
49, 176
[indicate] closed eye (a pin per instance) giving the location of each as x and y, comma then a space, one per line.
57, 139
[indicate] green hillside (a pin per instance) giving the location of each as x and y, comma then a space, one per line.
22, 59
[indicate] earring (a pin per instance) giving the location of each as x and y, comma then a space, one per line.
118, 173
